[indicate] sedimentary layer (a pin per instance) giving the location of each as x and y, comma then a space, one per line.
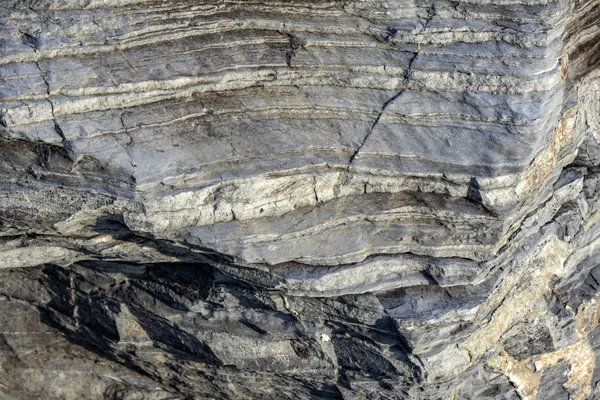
314, 199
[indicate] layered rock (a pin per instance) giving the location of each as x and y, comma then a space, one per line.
299, 199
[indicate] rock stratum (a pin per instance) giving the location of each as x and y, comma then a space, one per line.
299, 199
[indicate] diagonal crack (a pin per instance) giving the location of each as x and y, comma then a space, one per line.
57, 127
406, 78
385, 105
29, 39
133, 179
118, 50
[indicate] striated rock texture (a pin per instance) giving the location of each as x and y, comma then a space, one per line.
244, 199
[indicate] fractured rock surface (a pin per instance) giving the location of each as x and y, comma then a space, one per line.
292, 200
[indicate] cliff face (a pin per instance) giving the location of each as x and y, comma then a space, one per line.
292, 200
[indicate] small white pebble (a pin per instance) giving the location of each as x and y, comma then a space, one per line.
325, 337
169, 181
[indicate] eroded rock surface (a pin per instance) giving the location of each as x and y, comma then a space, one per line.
293, 200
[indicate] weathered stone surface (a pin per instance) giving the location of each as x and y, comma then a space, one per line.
314, 199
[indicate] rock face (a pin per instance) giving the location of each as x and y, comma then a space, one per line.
291, 200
